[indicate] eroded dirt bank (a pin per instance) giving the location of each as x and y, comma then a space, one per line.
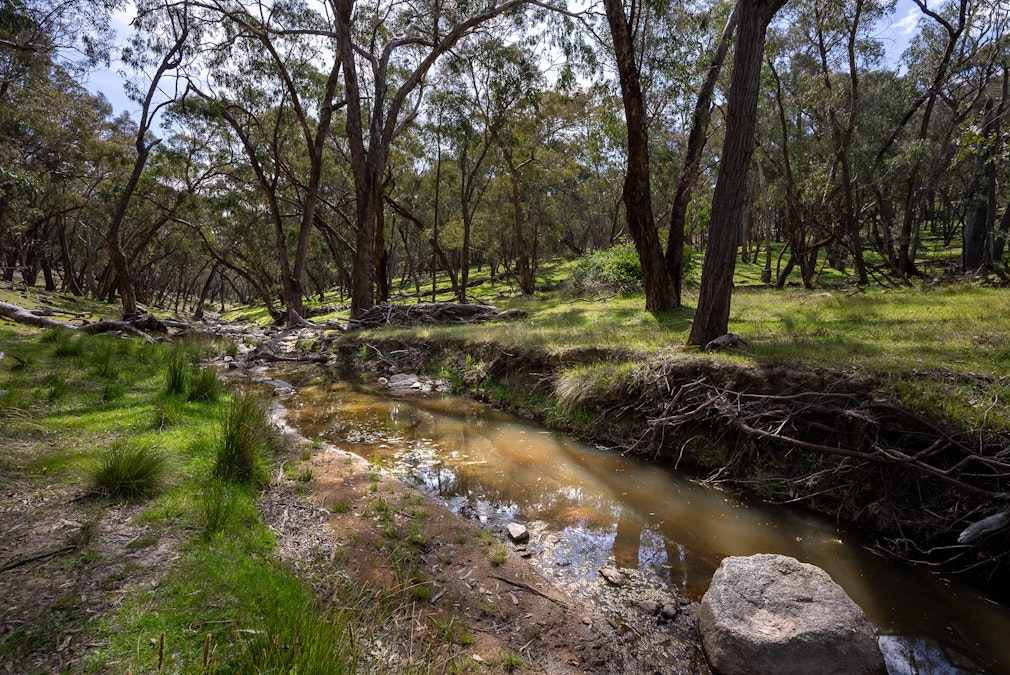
833, 442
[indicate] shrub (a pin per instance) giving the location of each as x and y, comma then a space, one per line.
129, 471
616, 268
245, 436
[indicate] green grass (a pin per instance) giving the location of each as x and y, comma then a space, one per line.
128, 471
244, 439
222, 602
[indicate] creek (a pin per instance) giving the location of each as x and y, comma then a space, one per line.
597, 508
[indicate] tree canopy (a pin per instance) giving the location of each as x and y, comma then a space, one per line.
288, 149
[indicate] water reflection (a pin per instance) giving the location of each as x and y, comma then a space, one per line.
611, 511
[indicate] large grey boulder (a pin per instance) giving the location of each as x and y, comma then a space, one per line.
774, 615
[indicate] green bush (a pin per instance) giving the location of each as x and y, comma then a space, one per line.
616, 269
129, 471
245, 437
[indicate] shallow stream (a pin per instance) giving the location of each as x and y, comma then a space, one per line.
596, 508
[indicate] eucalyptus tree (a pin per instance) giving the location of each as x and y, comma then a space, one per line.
817, 61
387, 49
624, 23
949, 24
271, 71
482, 90
36, 35
691, 167
158, 48
51, 128
729, 199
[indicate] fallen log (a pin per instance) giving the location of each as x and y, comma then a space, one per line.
33, 318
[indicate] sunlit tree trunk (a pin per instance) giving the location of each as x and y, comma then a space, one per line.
729, 200
656, 281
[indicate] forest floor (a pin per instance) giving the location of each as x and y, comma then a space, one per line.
101, 585
90, 585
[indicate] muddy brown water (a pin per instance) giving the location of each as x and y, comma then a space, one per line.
598, 509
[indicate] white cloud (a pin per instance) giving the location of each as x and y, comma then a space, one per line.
907, 24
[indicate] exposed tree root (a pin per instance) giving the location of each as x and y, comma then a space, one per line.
839, 446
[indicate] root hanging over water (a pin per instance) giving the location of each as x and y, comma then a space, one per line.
832, 443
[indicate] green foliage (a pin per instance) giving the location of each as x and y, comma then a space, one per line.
129, 471
613, 269
226, 508
244, 439
169, 410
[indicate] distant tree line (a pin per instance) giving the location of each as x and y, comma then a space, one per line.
285, 149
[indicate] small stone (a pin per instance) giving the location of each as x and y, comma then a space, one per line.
649, 606
613, 577
402, 381
669, 611
518, 533
551, 539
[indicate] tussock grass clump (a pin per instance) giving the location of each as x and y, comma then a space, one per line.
169, 410
204, 385
224, 507
176, 373
64, 342
245, 438
126, 471
582, 384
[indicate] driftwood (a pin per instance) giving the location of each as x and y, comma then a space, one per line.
41, 319
990, 525
430, 313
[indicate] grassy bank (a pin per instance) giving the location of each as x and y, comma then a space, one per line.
942, 350
135, 480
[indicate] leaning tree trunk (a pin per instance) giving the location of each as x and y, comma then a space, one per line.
637, 195
728, 203
691, 168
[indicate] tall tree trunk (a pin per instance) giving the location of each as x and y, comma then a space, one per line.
979, 219
691, 167
113, 234
712, 317
656, 280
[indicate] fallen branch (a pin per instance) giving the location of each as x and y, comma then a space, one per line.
40, 319
529, 589
36, 557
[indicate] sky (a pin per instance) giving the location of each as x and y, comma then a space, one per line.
895, 31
